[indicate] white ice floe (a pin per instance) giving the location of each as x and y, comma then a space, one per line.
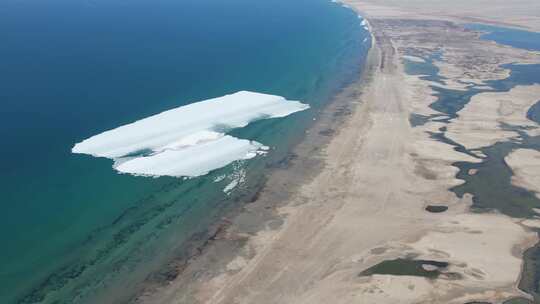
188, 140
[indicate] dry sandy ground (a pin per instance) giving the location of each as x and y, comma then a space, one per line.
367, 204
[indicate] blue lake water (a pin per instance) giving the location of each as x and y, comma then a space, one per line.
74, 231
508, 36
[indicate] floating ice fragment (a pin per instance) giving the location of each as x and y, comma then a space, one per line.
238, 177
219, 178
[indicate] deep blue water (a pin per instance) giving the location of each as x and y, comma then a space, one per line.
71, 229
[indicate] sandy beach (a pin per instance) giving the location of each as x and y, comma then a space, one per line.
355, 195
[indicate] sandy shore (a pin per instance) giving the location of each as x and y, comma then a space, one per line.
357, 198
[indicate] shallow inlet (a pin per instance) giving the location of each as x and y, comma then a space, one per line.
491, 184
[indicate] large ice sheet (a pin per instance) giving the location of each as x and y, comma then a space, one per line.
188, 140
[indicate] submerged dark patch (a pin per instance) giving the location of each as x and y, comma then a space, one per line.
436, 208
327, 132
407, 267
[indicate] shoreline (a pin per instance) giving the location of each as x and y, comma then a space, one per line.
304, 157
358, 210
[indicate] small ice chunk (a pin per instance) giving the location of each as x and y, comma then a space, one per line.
238, 177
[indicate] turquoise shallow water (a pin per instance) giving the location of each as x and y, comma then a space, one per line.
71, 229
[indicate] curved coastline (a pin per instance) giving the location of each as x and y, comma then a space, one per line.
228, 238
106, 264
360, 203
510, 198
